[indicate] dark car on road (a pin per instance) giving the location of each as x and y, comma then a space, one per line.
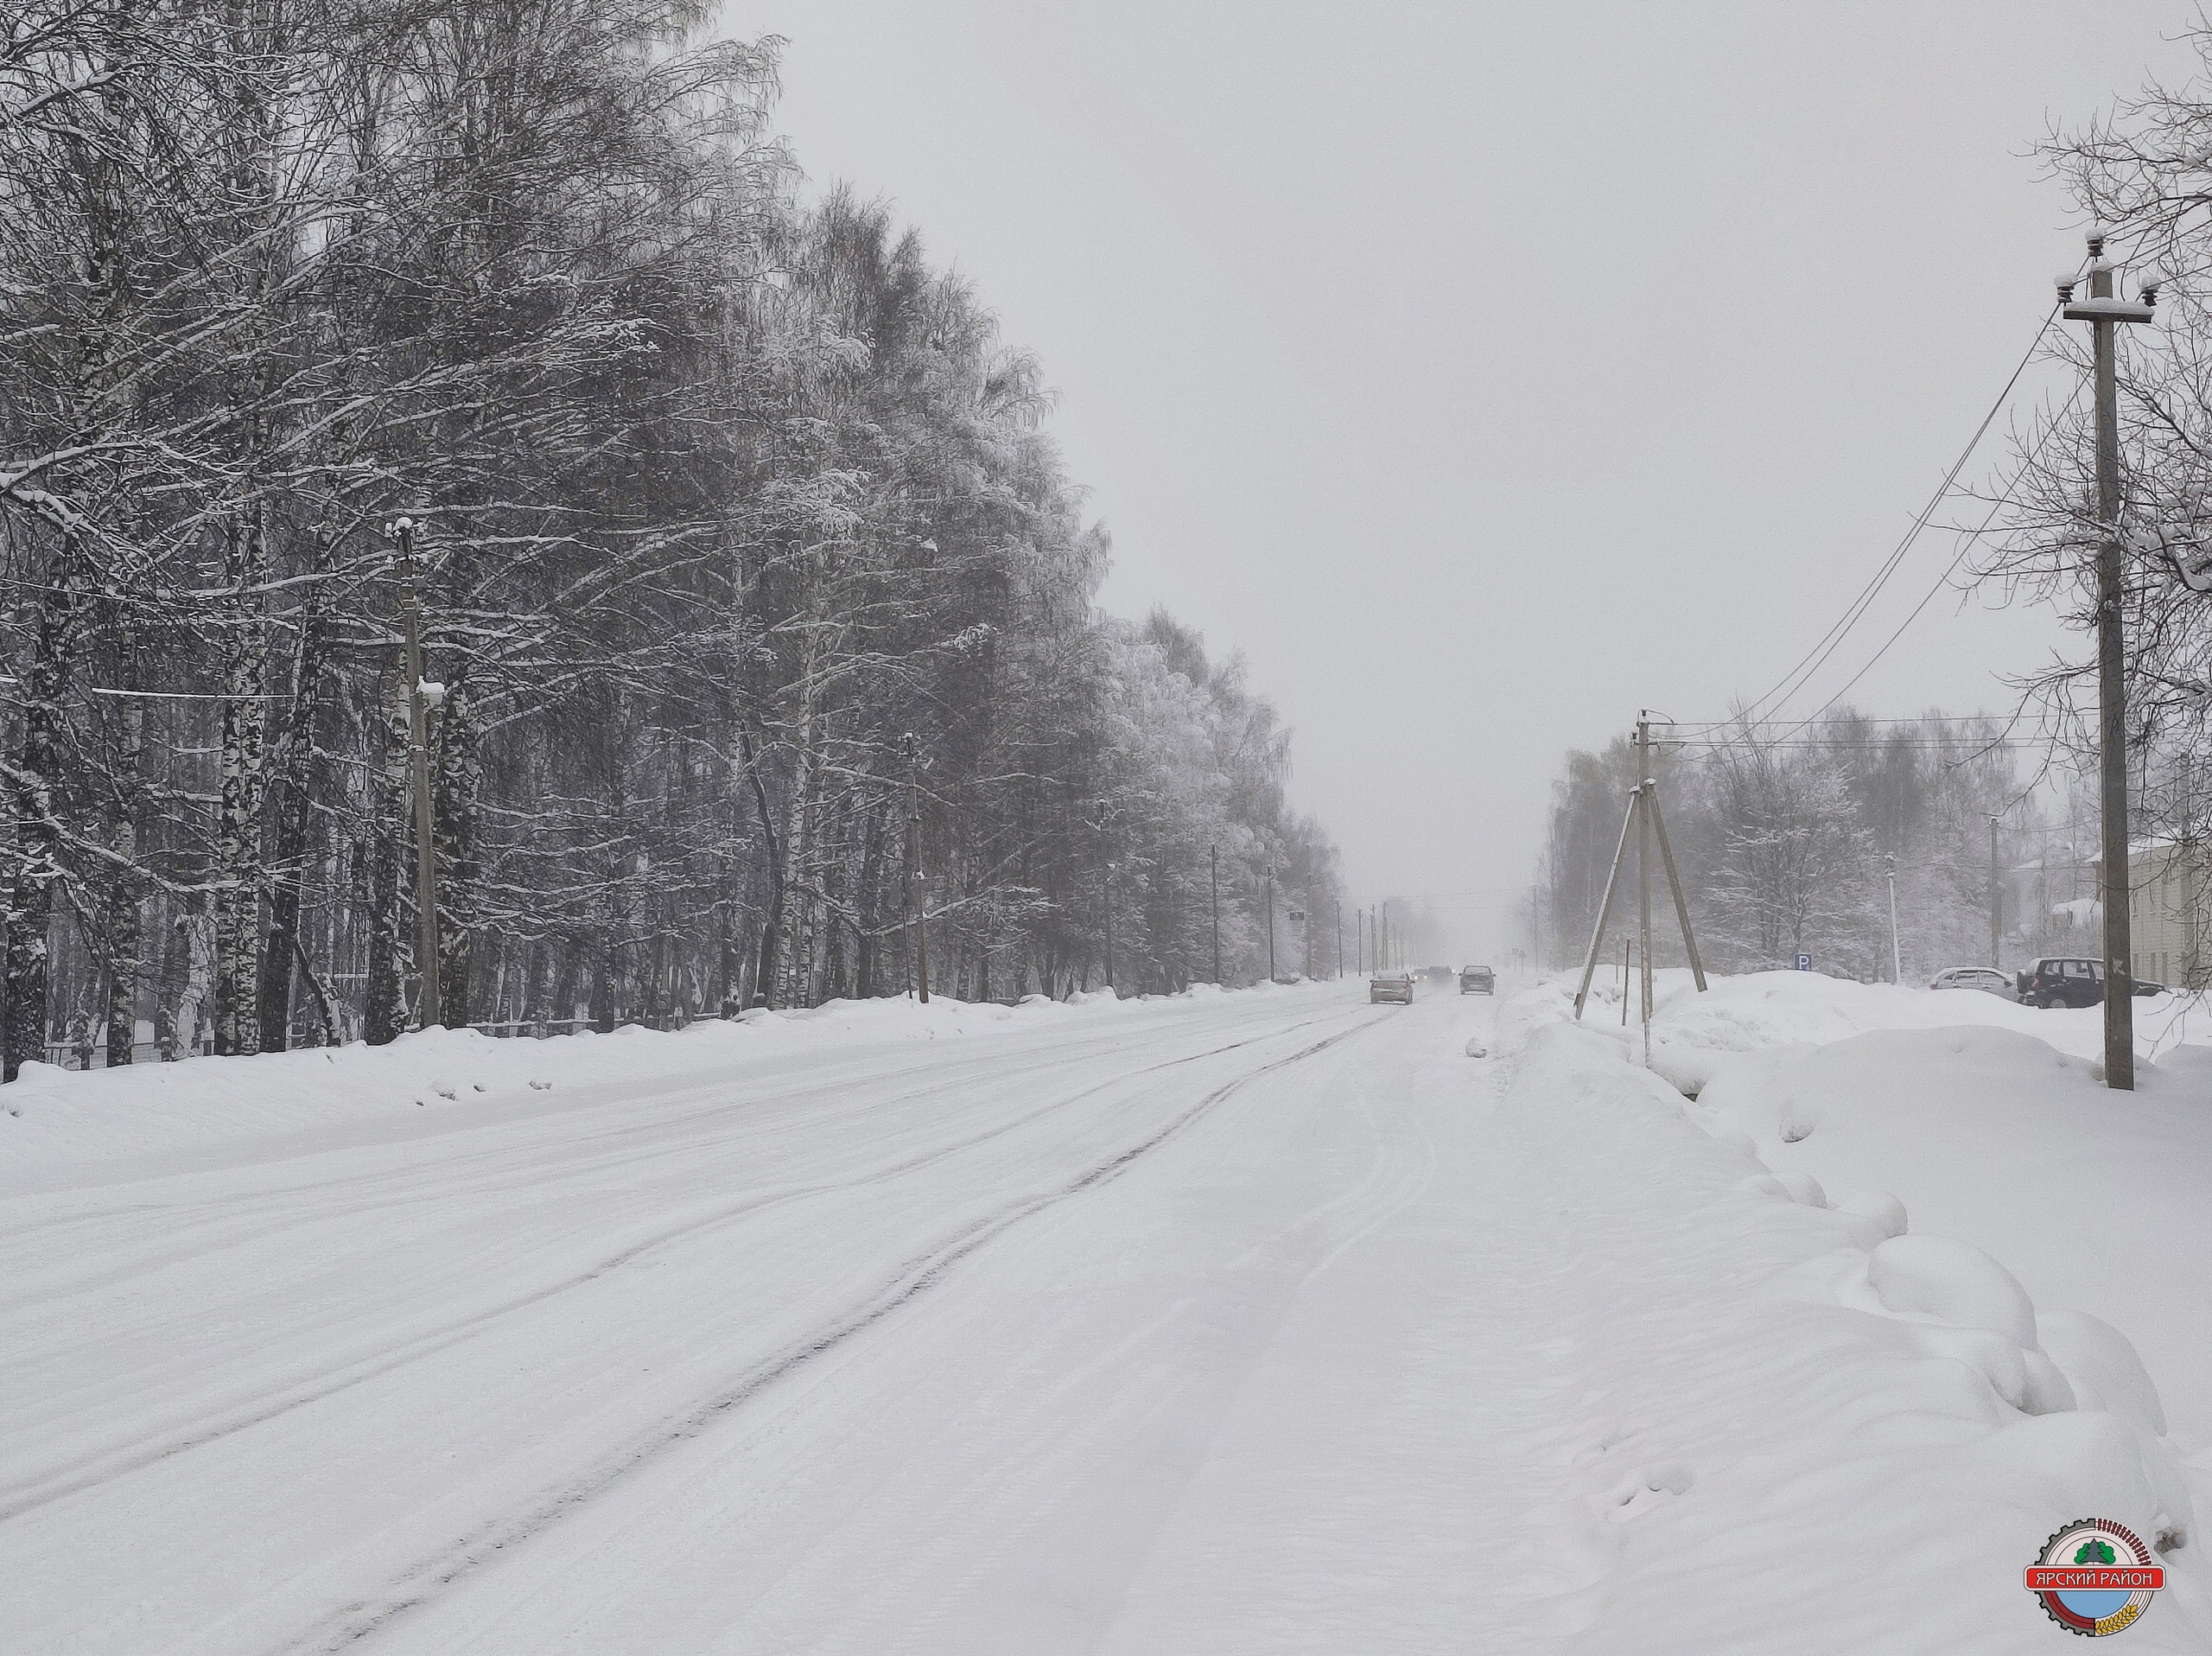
1391, 986
1477, 980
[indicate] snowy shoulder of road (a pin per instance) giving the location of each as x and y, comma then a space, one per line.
1829, 1425
1990, 1123
166, 1117
1694, 1034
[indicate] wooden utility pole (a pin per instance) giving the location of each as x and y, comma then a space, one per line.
1336, 910
2104, 311
1214, 852
1271, 920
922, 938
1106, 887
1645, 821
430, 1013
1897, 955
1606, 905
1996, 901
1644, 786
1674, 885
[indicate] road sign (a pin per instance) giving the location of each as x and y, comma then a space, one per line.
1804, 962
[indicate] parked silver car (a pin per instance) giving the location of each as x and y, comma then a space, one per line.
1987, 979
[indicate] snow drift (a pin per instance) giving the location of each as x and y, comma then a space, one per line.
1808, 1426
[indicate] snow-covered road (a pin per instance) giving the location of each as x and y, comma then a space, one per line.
1126, 1333
1258, 1323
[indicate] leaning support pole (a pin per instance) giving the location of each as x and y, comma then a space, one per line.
1674, 885
1644, 786
1606, 908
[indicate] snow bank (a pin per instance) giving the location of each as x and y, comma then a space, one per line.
1695, 1035
1797, 1417
52, 1118
1988, 1118
2096, 1198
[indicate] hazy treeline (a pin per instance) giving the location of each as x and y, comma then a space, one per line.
1787, 837
722, 496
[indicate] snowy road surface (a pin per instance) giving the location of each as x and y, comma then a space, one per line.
1133, 1331
1261, 1322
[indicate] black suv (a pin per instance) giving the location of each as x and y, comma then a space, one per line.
2063, 981
1477, 980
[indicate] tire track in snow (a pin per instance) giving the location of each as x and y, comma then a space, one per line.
354, 1622
57, 1483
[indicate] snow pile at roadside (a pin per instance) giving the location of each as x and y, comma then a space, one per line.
53, 1116
1694, 1035
2096, 1198
1797, 1417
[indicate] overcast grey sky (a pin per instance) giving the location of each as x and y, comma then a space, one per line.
1486, 372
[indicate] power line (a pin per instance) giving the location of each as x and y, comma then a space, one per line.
1835, 637
1826, 645
1966, 542
173, 695
1696, 730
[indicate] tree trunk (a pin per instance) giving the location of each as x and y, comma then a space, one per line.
39, 765
866, 905
198, 931
237, 841
168, 992
123, 931
384, 1014
459, 788
292, 826
766, 964
564, 986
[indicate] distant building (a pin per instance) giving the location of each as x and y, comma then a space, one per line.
2082, 913
2168, 902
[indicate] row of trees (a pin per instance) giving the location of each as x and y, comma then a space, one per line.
1788, 839
751, 581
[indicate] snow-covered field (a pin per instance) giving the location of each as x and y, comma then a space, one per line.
1262, 1321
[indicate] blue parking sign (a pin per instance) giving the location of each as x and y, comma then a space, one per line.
1804, 962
